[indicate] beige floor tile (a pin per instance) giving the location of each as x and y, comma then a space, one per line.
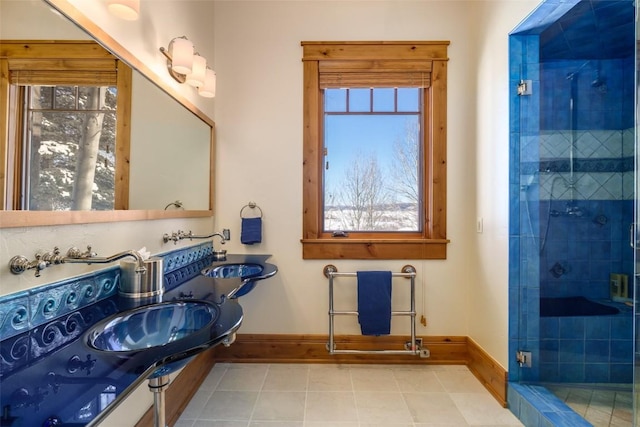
373, 379
215, 423
286, 378
483, 409
279, 406
330, 406
458, 381
330, 424
344, 395
276, 424
213, 378
229, 405
381, 407
329, 378
434, 408
244, 377
196, 405
417, 381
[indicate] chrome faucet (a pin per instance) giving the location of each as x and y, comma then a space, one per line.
19, 264
176, 236
75, 256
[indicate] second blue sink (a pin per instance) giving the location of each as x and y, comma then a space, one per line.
228, 271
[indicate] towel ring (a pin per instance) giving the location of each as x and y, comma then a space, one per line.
251, 205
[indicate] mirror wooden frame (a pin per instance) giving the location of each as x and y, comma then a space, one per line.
9, 219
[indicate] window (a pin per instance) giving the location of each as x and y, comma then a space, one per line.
374, 150
68, 160
67, 116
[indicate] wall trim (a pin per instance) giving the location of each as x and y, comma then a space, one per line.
275, 348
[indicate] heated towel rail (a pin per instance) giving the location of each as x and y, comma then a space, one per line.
413, 347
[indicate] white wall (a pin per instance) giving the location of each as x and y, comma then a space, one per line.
488, 293
259, 126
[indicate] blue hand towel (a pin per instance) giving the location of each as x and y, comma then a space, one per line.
251, 231
374, 302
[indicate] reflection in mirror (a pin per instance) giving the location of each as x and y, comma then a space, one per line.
170, 160
171, 148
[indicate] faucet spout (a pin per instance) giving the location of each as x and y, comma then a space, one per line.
75, 256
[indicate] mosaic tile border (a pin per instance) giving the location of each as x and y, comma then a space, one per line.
25, 310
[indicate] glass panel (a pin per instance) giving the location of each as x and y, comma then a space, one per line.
572, 201
408, 99
335, 100
359, 100
384, 100
59, 146
372, 175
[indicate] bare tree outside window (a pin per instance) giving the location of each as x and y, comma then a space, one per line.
362, 194
71, 147
372, 168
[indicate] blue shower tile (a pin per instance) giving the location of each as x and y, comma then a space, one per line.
571, 351
621, 373
571, 372
621, 351
596, 351
621, 327
572, 328
597, 372
598, 327
549, 328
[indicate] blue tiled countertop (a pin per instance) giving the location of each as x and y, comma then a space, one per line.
50, 370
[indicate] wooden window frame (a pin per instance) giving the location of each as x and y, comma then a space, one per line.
363, 57
61, 62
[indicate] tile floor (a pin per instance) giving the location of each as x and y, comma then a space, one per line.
317, 395
601, 407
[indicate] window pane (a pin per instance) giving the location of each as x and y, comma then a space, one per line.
371, 178
54, 141
42, 98
359, 100
64, 97
335, 100
409, 99
384, 99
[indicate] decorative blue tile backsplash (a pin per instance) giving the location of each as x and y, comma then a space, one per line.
26, 310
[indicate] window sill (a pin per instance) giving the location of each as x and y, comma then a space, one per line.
374, 249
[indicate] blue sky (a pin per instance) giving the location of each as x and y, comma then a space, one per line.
361, 135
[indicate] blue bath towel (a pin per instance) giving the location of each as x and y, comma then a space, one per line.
374, 302
251, 231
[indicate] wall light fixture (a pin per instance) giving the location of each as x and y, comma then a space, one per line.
187, 66
124, 9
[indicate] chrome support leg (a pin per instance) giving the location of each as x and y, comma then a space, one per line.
158, 385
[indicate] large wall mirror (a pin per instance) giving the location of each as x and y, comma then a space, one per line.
171, 146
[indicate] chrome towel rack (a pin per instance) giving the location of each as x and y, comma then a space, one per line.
251, 205
413, 347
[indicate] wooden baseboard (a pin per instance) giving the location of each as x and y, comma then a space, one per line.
488, 371
273, 348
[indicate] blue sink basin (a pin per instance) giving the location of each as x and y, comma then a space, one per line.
228, 271
151, 326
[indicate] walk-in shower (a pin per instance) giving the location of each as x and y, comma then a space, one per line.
572, 199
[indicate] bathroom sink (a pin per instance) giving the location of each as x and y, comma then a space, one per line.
227, 271
151, 326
